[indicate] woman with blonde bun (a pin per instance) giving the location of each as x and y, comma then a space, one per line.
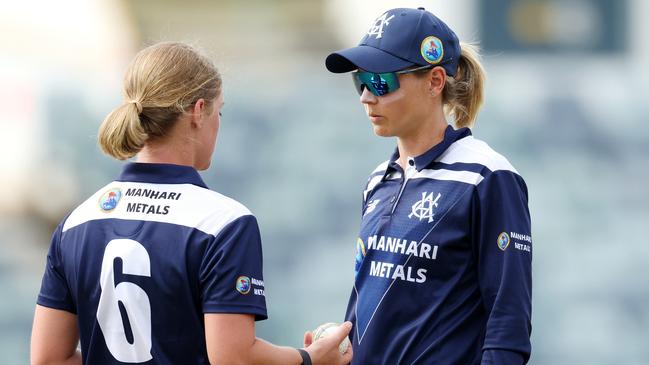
155, 268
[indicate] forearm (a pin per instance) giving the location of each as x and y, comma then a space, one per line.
264, 353
231, 339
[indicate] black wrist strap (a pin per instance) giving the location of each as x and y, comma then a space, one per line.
306, 359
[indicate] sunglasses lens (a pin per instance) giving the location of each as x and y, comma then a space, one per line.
377, 84
358, 84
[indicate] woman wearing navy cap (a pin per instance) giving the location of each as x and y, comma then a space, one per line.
155, 268
444, 254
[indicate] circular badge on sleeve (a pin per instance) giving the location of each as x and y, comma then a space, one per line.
503, 241
243, 284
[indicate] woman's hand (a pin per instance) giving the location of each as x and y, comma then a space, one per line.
325, 350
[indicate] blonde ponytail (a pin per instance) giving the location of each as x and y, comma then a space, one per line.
121, 135
463, 93
162, 83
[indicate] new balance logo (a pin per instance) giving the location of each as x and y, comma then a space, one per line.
423, 209
371, 206
377, 28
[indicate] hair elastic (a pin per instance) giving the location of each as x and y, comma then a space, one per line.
138, 105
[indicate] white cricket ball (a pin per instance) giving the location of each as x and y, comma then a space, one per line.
324, 329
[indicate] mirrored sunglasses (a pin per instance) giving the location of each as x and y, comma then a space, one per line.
380, 84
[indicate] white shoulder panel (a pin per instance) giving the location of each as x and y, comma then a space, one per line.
382, 167
466, 177
183, 204
471, 150
375, 180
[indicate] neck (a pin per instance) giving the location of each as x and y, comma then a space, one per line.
421, 140
171, 151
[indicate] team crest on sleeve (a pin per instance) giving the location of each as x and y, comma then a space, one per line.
423, 209
432, 50
243, 284
109, 200
503, 241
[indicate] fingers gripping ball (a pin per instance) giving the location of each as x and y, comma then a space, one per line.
322, 331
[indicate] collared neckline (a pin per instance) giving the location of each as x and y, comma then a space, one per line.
161, 173
422, 161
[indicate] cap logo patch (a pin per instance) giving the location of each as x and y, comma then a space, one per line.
432, 50
377, 27
108, 200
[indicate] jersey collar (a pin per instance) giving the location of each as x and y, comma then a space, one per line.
161, 173
424, 160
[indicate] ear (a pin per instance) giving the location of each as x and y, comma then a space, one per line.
197, 113
437, 80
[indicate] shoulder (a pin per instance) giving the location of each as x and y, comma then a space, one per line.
82, 213
215, 212
219, 208
185, 205
375, 178
380, 169
493, 172
472, 151
218, 203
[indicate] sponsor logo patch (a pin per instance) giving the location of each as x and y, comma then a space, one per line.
243, 284
503, 241
360, 254
109, 200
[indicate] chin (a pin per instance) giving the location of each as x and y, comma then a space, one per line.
382, 132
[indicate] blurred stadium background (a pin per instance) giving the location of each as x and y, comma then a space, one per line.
566, 103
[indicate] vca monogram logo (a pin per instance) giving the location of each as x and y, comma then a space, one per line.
377, 28
423, 209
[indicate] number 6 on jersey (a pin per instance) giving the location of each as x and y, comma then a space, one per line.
134, 299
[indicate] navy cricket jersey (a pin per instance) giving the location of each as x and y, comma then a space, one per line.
443, 265
145, 257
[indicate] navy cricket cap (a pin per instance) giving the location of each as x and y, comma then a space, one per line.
398, 39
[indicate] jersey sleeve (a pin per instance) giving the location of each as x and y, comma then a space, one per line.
231, 273
502, 232
55, 291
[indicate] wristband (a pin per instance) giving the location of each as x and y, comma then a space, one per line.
306, 359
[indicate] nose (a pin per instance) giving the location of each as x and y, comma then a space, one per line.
367, 97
